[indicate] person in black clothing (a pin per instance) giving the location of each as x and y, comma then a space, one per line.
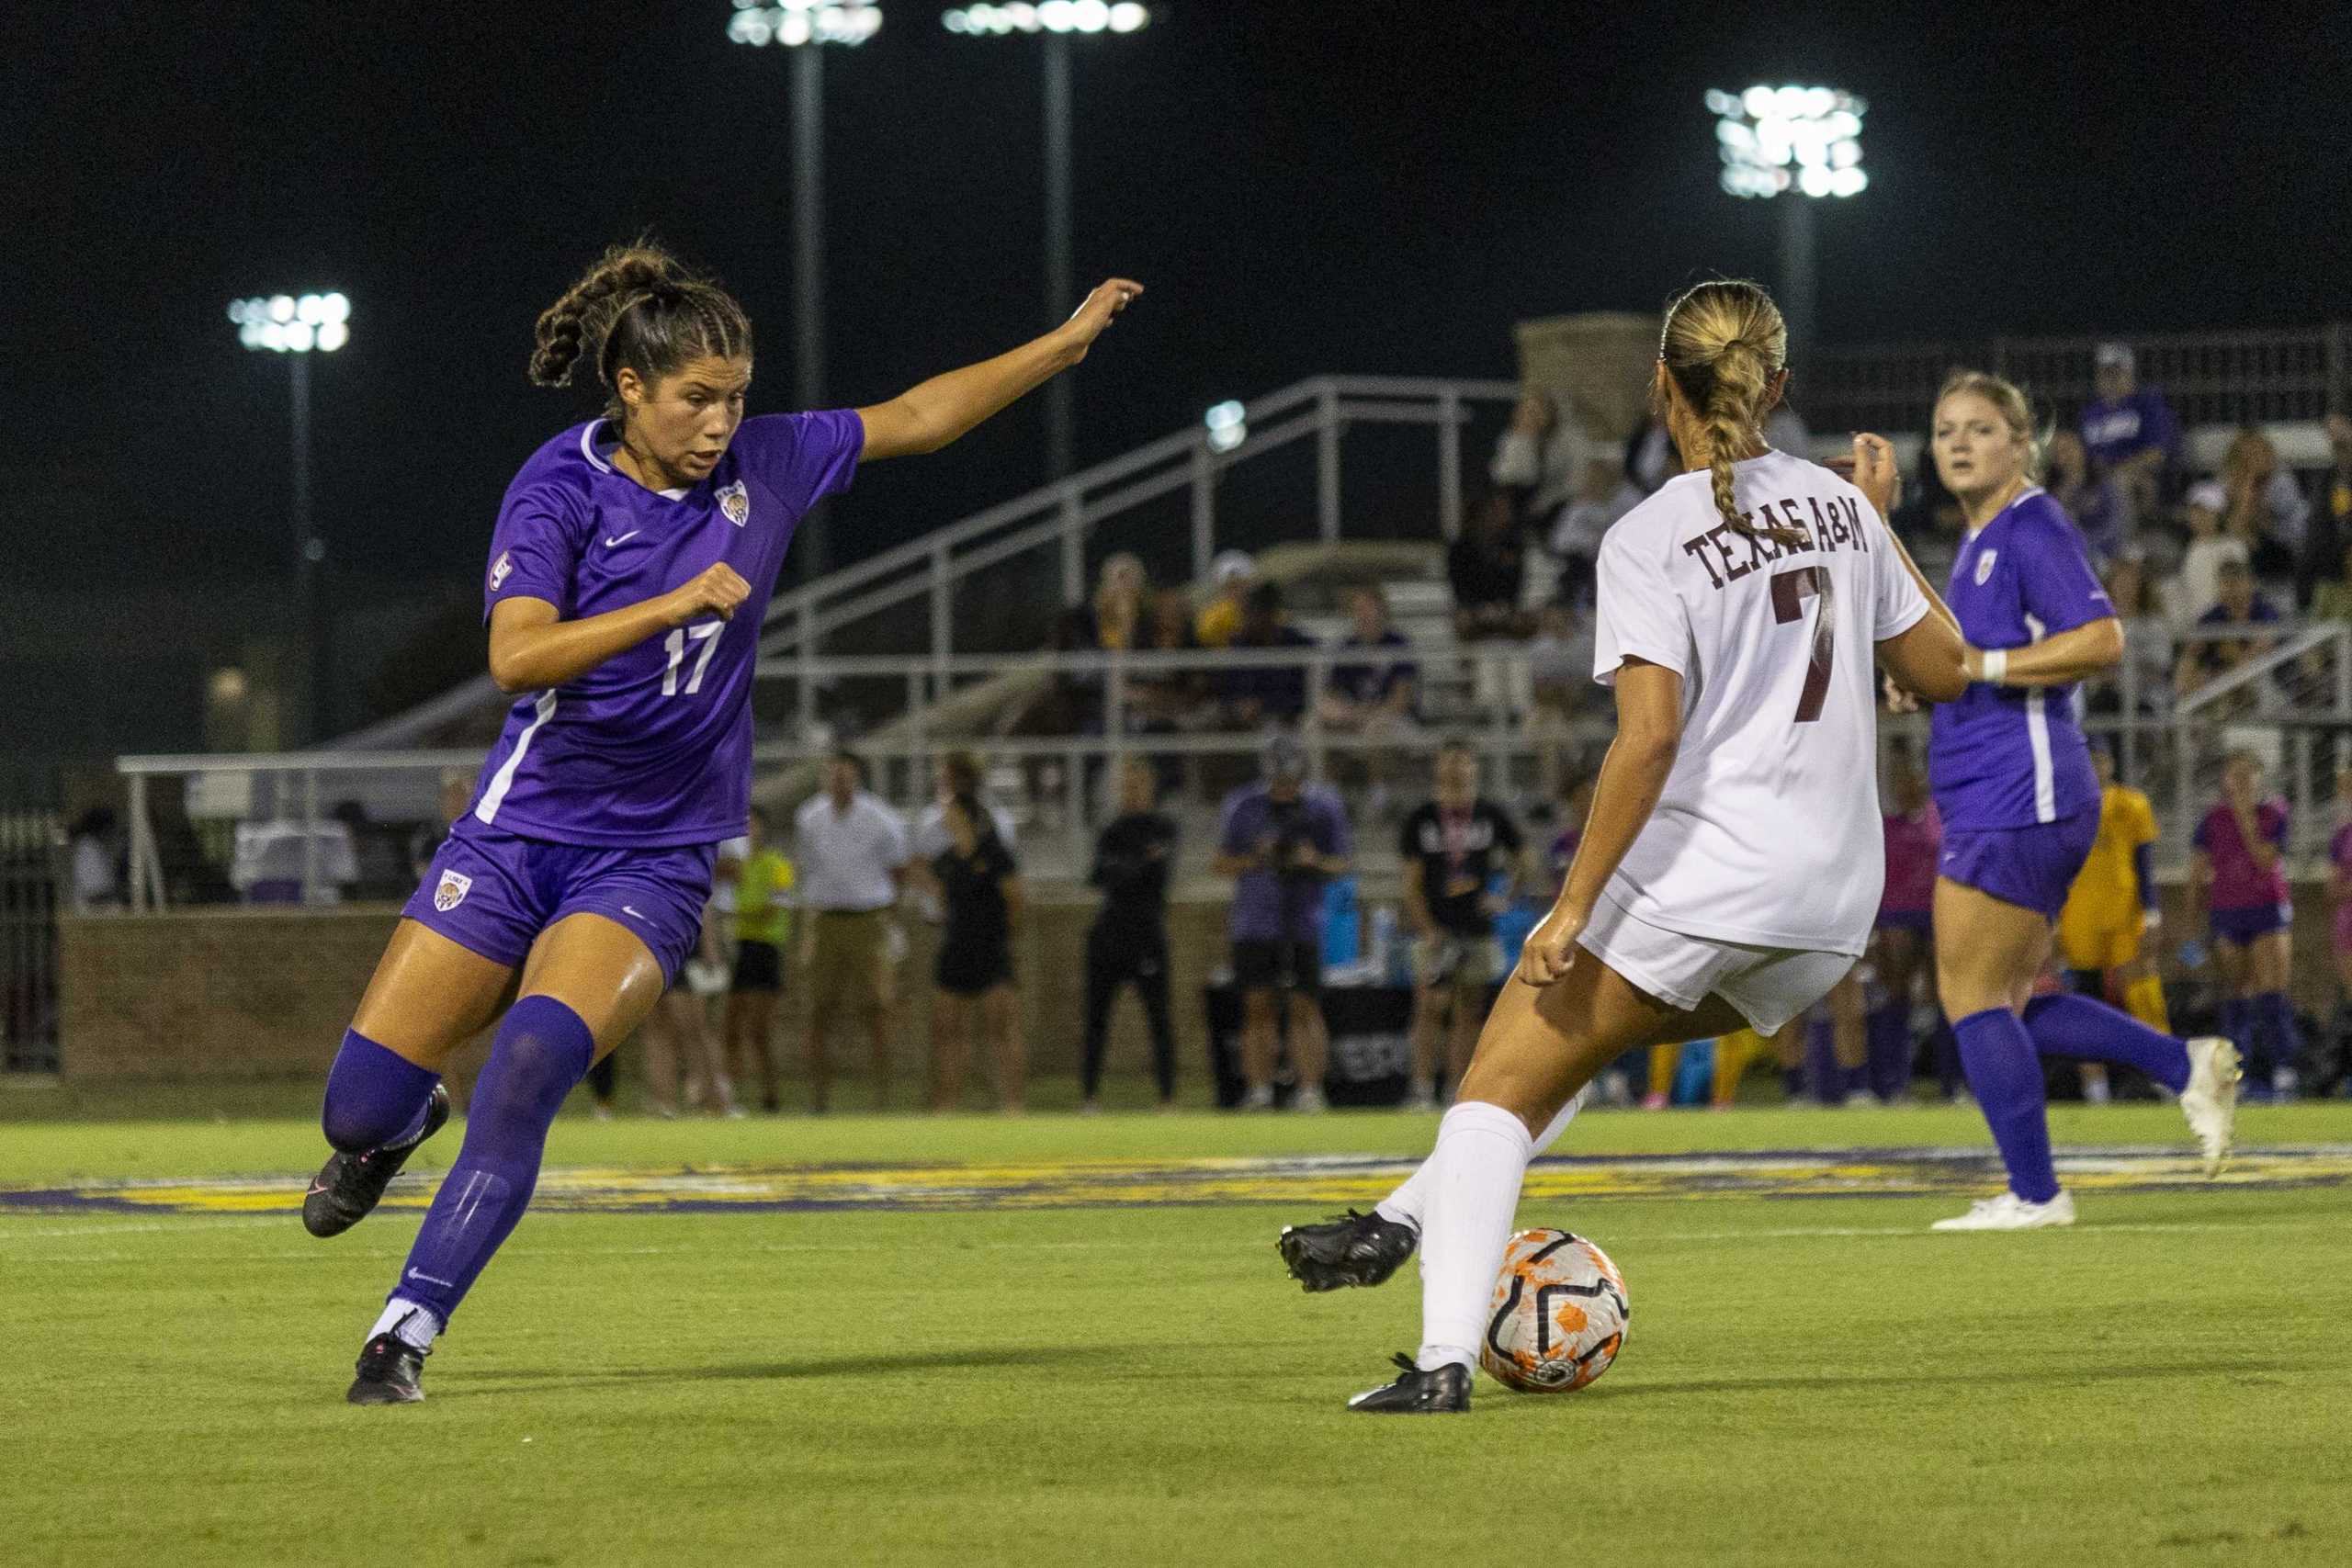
1129, 939
1451, 850
1487, 568
980, 884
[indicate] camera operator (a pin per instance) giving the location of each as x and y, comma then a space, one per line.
1282, 840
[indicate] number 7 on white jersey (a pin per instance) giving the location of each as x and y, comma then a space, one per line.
1789, 591
708, 635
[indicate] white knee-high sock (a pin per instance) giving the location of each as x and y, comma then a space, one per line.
1405, 1205
1473, 1180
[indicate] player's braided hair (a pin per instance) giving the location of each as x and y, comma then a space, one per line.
641, 309
1724, 342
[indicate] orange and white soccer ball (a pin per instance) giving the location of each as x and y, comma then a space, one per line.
1559, 1314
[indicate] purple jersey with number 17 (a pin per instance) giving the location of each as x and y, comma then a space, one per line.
2008, 755
653, 746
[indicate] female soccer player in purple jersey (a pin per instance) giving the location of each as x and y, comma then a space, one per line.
2013, 781
632, 560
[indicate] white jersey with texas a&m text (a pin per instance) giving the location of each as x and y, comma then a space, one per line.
1768, 831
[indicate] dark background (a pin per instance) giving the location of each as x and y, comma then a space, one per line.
1381, 188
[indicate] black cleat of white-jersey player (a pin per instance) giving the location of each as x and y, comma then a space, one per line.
1353, 1249
1441, 1391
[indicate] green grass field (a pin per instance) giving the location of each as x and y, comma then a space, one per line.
920, 1365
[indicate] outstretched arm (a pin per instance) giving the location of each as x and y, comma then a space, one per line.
928, 416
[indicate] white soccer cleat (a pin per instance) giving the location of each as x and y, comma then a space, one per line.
2210, 1101
2010, 1213
1309, 1101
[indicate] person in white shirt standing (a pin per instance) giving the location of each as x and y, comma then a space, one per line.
852, 858
1729, 873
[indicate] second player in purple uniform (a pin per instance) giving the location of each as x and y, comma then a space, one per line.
2014, 783
632, 560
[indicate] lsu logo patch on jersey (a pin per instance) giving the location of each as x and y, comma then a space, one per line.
499, 569
451, 890
735, 502
1984, 567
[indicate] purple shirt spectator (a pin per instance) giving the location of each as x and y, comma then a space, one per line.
2004, 756
1269, 905
1371, 682
2119, 428
652, 747
1279, 691
2238, 882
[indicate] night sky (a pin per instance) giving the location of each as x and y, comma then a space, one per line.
1373, 187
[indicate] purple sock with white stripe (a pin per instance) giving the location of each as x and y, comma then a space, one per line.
2004, 1074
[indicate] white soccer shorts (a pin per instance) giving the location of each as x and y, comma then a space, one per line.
1769, 986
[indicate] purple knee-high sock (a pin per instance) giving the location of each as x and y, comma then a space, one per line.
2237, 1022
1821, 1063
375, 1096
2275, 1018
1890, 1050
2006, 1077
541, 1052
2086, 1030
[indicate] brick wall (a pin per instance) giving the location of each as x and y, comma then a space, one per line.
209, 993
206, 993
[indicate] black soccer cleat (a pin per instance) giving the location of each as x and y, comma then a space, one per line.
389, 1370
348, 1187
1444, 1391
1354, 1249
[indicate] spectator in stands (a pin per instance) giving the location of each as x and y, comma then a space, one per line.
2094, 504
1231, 576
851, 861
960, 774
1603, 497
1111, 621
2198, 587
1649, 457
1281, 839
2208, 658
91, 847
2238, 874
979, 883
2148, 640
1539, 463
1133, 859
2332, 597
2265, 510
1373, 696
1253, 694
761, 877
1560, 685
2130, 432
1460, 857
1164, 701
2331, 512
1488, 569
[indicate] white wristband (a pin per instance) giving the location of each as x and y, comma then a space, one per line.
1997, 665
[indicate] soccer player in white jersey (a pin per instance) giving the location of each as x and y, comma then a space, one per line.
1730, 870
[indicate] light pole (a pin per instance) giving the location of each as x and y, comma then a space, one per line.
1802, 142
1056, 22
804, 26
283, 325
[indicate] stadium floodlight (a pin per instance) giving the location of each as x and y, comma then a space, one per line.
1802, 142
1054, 23
1049, 17
1228, 425
296, 326
803, 27
1775, 140
792, 23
